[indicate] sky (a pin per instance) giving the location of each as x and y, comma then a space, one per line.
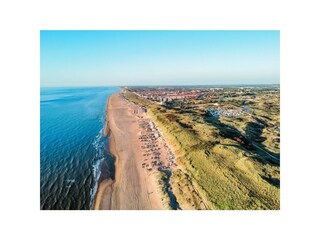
132, 58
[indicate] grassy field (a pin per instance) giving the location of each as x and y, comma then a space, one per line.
218, 167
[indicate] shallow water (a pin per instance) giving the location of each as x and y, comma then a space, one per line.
72, 147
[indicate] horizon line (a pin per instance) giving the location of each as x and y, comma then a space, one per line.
164, 85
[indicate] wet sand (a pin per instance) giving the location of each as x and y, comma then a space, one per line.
103, 195
133, 187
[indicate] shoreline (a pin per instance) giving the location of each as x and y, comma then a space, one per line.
103, 195
133, 187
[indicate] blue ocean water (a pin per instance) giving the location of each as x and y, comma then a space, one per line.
72, 147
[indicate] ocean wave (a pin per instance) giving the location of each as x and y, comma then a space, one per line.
72, 147
70, 180
98, 144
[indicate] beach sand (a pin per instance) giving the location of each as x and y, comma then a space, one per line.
103, 195
133, 187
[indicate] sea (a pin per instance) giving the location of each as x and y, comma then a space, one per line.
73, 149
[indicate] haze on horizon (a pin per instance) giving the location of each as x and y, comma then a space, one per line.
132, 58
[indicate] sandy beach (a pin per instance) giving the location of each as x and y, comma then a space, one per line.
103, 195
134, 188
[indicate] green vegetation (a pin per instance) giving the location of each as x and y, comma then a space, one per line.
132, 97
223, 163
162, 179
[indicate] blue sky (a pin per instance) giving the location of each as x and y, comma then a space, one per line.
124, 58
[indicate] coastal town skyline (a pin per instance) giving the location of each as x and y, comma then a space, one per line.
158, 58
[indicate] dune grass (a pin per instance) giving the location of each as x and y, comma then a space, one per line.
224, 174
214, 172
